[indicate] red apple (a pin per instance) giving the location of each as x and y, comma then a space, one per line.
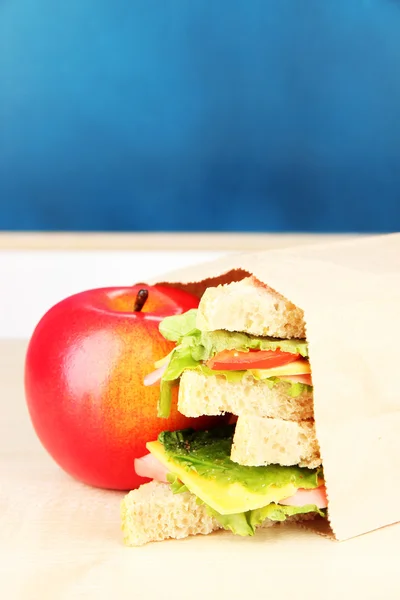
84, 373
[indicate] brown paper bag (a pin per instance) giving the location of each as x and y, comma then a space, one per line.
350, 294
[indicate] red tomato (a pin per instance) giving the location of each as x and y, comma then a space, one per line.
234, 360
84, 373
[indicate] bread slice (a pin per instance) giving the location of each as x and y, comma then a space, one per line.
153, 513
201, 394
252, 307
263, 441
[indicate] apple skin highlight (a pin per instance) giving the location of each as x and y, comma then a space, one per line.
84, 372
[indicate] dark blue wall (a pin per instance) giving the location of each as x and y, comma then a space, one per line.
200, 114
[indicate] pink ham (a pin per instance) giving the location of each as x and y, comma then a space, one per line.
306, 379
149, 466
303, 497
155, 376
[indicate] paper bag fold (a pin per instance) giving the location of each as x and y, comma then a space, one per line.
350, 294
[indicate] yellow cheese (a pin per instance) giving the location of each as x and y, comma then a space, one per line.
225, 498
298, 367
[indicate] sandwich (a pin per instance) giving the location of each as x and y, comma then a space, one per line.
243, 355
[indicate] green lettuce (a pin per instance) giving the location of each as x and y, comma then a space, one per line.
245, 523
182, 329
212, 342
208, 454
176, 327
177, 486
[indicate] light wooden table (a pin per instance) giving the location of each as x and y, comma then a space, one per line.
61, 540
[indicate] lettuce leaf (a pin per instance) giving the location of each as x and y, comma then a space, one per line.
237, 523
205, 344
176, 327
245, 523
177, 486
207, 453
181, 359
212, 342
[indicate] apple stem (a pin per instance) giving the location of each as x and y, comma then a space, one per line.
140, 301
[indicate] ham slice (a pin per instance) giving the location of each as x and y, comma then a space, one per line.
155, 376
306, 379
149, 466
303, 497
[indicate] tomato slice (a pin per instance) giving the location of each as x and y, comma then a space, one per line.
234, 360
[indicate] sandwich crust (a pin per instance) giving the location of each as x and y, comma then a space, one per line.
262, 441
201, 394
252, 307
152, 513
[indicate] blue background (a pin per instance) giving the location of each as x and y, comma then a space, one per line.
258, 115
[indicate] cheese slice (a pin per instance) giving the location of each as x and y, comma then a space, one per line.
225, 498
298, 367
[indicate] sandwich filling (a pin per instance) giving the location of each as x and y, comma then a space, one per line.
232, 355
239, 497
